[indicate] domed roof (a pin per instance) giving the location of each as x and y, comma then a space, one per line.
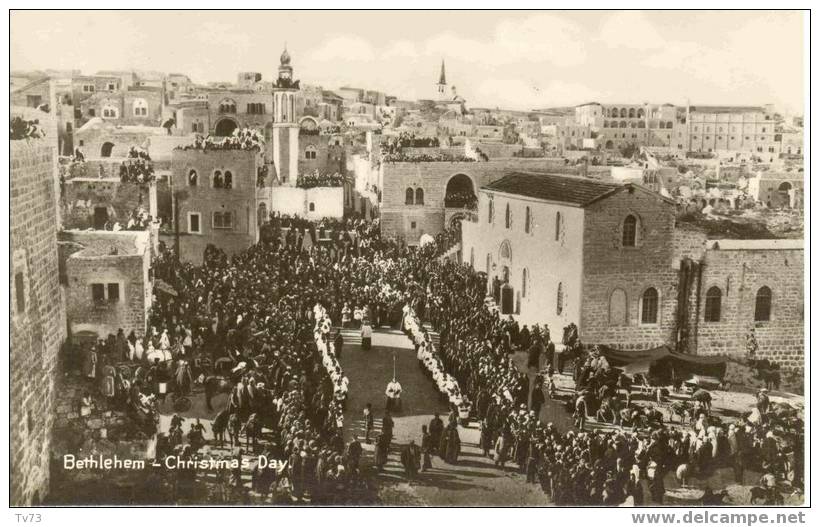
284, 59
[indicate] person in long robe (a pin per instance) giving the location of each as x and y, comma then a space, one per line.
453, 445
382, 449
436, 429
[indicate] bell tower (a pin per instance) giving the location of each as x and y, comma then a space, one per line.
441, 86
285, 128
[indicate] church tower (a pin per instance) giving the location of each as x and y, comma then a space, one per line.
441, 87
285, 128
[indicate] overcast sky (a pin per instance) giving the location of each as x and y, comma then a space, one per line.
518, 60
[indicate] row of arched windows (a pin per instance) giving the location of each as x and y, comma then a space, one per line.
414, 197
529, 220
227, 106
219, 179
649, 304
630, 113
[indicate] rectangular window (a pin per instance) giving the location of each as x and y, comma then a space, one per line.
113, 292
20, 292
193, 222
91, 112
413, 225
98, 293
222, 220
111, 86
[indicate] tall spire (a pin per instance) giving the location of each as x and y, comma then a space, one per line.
442, 78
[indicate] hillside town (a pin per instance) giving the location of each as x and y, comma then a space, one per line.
269, 291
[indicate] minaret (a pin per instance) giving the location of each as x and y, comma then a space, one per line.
285, 128
442, 83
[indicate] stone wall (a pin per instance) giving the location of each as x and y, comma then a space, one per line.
609, 266
432, 177
330, 158
81, 196
740, 274
241, 200
326, 202
38, 330
104, 318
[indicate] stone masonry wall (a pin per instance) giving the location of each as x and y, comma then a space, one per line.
241, 200
81, 196
432, 177
129, 313
740, 274
607, 266
37, 332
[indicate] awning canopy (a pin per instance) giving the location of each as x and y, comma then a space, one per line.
664, 360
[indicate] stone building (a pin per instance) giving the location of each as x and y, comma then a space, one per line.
612, 259
217, 200
100, 138
37, 321
731, 128
752, 285
107, 281
92, 202
414, 198
143, 106
777, 189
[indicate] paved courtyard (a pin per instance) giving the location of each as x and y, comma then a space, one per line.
473, 481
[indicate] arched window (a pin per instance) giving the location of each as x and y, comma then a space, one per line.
669, 124
490, 211
140, 107
713, 298
408, 196
623, 124
507, 217
558, 226
617, 308
419, 196
217, 180
489, 263
606, 124
310, 152
527, 220
506, 251
228, 179
472, 257
227, 106
525, 278
649, 306
632, 113
763, 304
630, 231
194, 127
559, 308
641, 113
193, 178
623, 112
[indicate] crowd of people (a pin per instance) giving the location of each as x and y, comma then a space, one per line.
240, 139
316, 179
394, 144
402, 157
137, 170
270, 310
461, 199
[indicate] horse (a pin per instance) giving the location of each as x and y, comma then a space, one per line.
682, 409
234, 428
216, 384
252, 429
220, 425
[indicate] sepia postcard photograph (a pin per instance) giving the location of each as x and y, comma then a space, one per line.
423, 259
